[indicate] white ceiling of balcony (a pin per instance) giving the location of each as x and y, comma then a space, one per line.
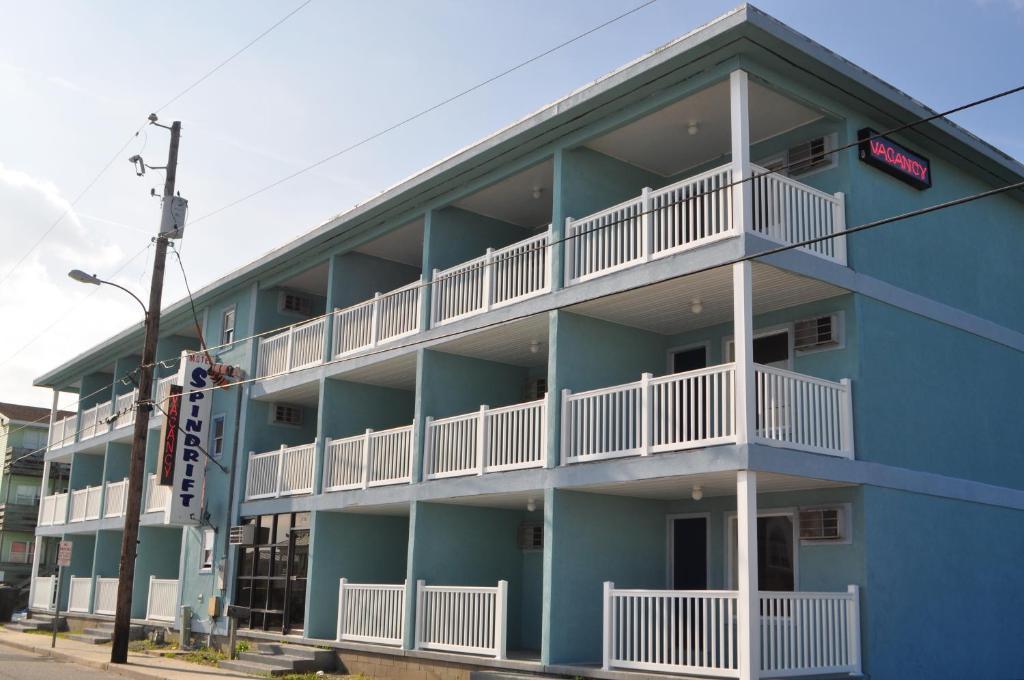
712, 484
666, 307
312, 281
398, 373
523, 199
404, 244
661, 143
509, 343
306, 394
506, 501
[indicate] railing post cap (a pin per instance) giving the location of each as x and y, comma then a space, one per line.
852, 588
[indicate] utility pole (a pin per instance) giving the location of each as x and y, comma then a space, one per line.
136, 465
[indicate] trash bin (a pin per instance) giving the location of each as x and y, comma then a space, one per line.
8, 602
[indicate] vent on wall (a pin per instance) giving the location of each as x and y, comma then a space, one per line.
820, 332
295, 304
821, 524
286, 414
536, 388
243, 534
803, 158
531, 536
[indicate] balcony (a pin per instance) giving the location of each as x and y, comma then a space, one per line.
287, 471
85, 504
158, 496
697, 409
367, 460
53, 509
383, 319
162, 600
299, 346
63, 432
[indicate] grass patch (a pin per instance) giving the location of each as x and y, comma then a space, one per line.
242, 646
149, 645
313, 676
47, 632
205, 656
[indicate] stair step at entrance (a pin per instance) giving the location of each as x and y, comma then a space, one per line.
281, 659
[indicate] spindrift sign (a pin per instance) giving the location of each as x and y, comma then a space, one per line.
188, 469
890, 157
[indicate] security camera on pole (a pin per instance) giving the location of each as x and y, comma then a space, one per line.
172, 224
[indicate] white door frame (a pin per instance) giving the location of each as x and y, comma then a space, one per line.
760, 333
672, 351
670, 544
730, 549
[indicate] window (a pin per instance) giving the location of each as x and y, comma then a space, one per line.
294, 303
217, 448
828, 524
819, 333
286, 414
20, 552
804, 158
531, 536
208, 539
26, 494
227, 327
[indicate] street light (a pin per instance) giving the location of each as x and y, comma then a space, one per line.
92, 279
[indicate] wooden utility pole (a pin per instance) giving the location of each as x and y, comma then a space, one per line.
137, 462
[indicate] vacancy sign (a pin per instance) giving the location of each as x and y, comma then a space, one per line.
64, 553
188, 467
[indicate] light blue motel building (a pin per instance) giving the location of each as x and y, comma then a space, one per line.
564, 403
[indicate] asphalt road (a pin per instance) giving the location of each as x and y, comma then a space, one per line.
18, 665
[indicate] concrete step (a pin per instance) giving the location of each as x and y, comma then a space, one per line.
326, 657
38, 622
252, 668
293, 664
91, 639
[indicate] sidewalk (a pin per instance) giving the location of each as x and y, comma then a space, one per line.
139, 666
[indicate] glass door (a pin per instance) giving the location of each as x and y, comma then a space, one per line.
295, 580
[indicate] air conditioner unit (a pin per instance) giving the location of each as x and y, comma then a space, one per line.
821, 524
531, 536
295, 303
821, 332
244, 534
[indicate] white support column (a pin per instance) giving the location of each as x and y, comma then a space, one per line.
743, 350
35, 570
747, 606
739, 121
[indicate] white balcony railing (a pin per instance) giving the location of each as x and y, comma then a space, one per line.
79, 594
462, 619
44, 592
370, 459
63, 432
497, 278
116, 500
697, 409
373, 613
788, 211
161, 394
124, 407
287, 471
684, 215
384, 318
162, 599
85, 504
158, 496
95, 421
105, 601
53, 509
488, 440
681, 631
299, 346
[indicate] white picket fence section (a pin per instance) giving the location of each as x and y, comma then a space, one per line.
44, 592
79, 594
384, 318
373, 613
788, 211
801, 412
95, 421
53, 509
161, 394
85, 503
116, 500
670, 630
105, 600
298, 346
157, 496
63, 432
680, 216
369, 459
287, 471
810, 633
697, 409
468, 620
489, 440
496, 278
695, 632
124, 407
162, 599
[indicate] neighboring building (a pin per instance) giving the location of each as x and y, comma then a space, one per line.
23, 444
577, 428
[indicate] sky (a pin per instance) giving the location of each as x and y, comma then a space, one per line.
78, 78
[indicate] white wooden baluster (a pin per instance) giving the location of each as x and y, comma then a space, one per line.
366, 458
487, 292
608, 626
481, 440
375, 320
646, 414
280, 470
646, 225
501, 621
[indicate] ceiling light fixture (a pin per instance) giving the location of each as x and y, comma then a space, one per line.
692, 128
538, 192
696, 306
531, 505
534, 346
697, 493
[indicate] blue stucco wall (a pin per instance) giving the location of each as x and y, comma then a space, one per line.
82, 549
158, 555
108, 553
86, 470
451, 384
592, 181
453, 235
350, 408
357, 276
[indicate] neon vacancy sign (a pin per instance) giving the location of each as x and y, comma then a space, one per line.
898, 161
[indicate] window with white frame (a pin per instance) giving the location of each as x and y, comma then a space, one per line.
20, 552
227, 326
217, 445
208, 539
26, 494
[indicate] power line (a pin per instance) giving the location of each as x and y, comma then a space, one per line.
422, 113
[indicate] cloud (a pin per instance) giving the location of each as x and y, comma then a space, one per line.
38, 293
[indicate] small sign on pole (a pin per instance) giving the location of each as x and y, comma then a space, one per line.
64, 553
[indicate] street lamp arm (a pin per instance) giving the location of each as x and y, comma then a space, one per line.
115, 285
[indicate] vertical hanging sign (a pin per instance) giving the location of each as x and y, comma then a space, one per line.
170, 431
189, 466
